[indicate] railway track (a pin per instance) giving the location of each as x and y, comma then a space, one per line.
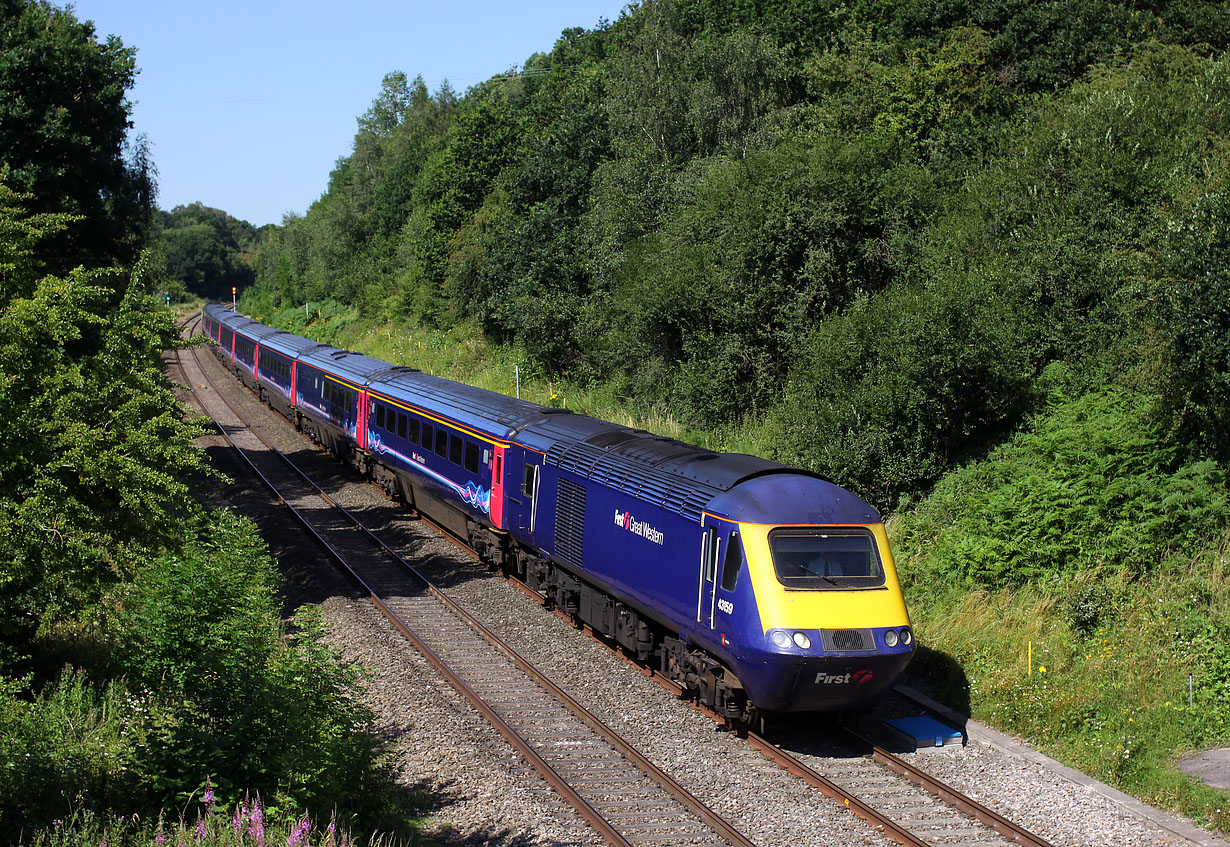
618, 791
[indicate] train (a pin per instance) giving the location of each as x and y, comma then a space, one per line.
757, 587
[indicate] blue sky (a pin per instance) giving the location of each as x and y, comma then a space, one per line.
248, 105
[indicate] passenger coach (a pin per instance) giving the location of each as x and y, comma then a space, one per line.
757, 586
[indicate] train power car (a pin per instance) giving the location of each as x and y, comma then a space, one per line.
758, 587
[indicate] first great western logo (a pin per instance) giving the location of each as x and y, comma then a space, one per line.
624, 520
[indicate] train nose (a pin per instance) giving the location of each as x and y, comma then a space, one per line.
830, 670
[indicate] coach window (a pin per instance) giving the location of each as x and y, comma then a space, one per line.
427, 436
441, 443
733, 563
401, 424
414, 430
471, 457
380, 416
455, 445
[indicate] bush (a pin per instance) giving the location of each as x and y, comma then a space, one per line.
885, 397
73, 744
244, 702
1091, 485
1193, 307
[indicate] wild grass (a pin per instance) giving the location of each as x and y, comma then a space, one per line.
1070, 582
202, 822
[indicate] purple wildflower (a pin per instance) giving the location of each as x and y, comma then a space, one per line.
256, 822
208, 797
200, 827
237, 818
298, 835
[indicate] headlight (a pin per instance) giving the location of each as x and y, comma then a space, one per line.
802, 641
779, 639
890, 637
906, 636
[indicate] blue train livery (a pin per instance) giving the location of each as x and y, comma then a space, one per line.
757, 587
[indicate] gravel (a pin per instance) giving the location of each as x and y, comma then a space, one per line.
482, 793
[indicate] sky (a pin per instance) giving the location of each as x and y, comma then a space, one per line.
248, 105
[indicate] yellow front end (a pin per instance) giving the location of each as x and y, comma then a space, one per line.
782, 608
833, 646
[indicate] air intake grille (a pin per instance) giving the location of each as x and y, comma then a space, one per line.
570, 521
847, 640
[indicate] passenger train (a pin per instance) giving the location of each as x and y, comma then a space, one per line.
758, 587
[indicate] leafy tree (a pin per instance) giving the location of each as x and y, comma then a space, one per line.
94, 448
63, 124
387, 110
1193, 305
206, 250
649, 85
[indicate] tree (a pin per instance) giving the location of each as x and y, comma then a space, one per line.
206, 249
1194, 310
63, 124
94, 448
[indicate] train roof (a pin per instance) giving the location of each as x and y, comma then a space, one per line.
793, 498
355, 367
217, 311
672, 474
490, 412
254, 330
289, 344
677, 476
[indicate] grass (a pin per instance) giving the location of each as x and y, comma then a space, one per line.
1112, 700
202, 823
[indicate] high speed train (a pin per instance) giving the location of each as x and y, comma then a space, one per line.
758, 587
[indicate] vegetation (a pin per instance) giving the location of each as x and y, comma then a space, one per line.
207, 252
968, 260
63, 134
142, 654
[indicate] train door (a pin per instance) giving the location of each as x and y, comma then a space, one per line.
360, 435
497, 486
531, 484
524, 484
710, 549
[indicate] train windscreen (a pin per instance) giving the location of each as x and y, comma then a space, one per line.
826, 558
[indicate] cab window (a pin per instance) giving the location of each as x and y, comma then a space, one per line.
824, 558
733, 563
